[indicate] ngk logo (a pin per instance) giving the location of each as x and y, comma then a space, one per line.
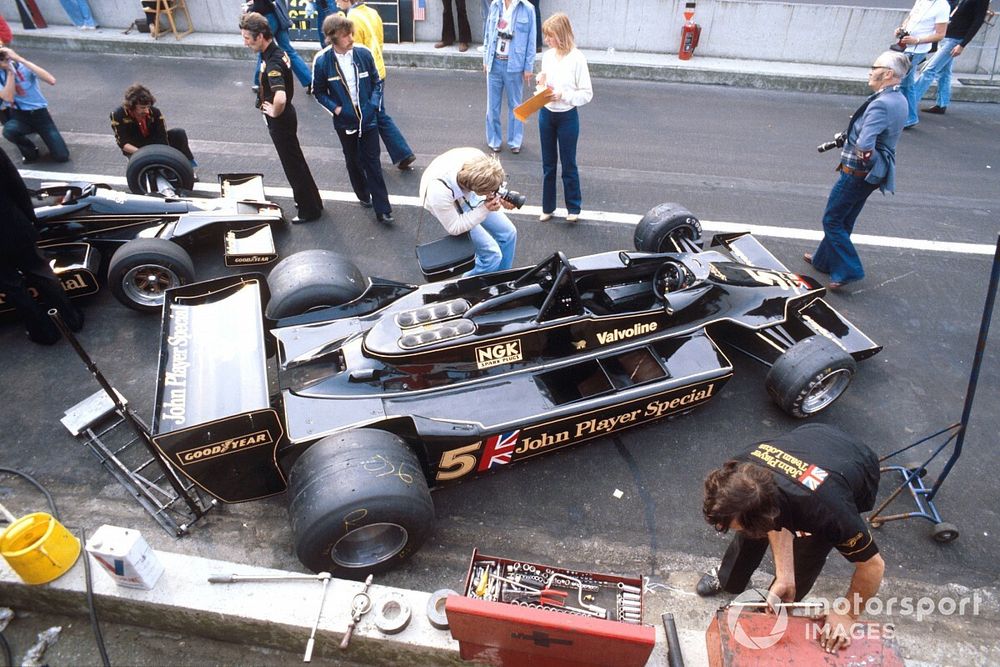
501, 353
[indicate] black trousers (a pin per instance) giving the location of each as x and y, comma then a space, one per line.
178, 138
364, 168
284, 136
744, 555
448, 24
23, 268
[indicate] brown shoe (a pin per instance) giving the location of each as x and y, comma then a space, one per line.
807, 258
463, 46
441, 45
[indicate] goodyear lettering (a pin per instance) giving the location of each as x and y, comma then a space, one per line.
656, 409
501, 353
541, 441
252, 259
615, 335
229, 446
175, 376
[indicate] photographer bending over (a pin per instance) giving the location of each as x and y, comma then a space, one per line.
137, 123
867, 163
459, 188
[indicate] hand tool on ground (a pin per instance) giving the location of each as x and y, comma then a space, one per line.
307, 656
360, 605
284, 576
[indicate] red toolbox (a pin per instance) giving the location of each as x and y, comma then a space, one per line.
515, 613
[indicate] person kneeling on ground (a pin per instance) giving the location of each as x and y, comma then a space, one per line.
25, 108
802, 494
459, 188
137, 123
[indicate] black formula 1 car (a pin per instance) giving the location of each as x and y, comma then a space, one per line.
138, 241
380, 389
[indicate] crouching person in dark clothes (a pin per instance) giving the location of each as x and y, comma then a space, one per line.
802, 495
137, 123
22, 267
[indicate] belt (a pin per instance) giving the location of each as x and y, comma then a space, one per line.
853, 172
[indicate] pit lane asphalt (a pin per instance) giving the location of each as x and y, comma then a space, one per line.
728, 154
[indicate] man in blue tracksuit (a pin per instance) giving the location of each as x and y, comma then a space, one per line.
346, 83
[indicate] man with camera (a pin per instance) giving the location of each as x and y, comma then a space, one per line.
867, 163
465, 190
274, 99
926, 24
26, 109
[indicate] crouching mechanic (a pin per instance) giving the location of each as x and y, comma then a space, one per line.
459, 188
137, 123
802, 494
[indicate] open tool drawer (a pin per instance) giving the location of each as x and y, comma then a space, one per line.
513, 612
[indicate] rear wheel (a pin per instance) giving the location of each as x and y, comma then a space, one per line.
142, 270
153, 166
668, 227
359, 504
310, 280
810, 376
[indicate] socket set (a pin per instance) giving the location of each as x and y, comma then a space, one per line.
601, 596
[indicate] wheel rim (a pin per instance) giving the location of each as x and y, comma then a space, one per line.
675, 240
147, 178
826, 391
145, 284
369, 545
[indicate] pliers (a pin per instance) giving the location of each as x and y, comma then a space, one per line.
552, 597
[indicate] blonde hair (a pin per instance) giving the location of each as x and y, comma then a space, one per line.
558, 24
481, 174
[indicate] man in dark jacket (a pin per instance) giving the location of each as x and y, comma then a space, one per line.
137, 123
22, 267
346, 83
966, 19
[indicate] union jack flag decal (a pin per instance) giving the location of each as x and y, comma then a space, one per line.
813, 477
499, 449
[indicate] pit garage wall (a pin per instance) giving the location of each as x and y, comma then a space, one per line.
740, 29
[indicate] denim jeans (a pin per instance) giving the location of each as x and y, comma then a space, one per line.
500, 81
836, 254
559, 131
906, 86
22, 123
395, 143
300, 69
938, 68
495, 240
79, 13
322, 11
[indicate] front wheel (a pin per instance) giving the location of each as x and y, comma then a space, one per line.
668, 227
142, 270
159, 169
810, 376
359, 504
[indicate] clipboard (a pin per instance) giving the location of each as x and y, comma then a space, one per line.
524, 110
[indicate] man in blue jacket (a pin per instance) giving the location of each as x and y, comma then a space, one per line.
508, 60
867, 163
346, 83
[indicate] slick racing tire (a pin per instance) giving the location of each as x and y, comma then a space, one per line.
310, 280
157, 160
810, 376
359, 504
665, 228
142, 270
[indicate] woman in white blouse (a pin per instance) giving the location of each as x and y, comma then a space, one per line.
564, 72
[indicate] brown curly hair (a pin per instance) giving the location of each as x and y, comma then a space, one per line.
743, 492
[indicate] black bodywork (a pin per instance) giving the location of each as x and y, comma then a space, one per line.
473, 373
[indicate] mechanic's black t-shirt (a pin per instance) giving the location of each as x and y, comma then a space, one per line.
275, 74
825, 480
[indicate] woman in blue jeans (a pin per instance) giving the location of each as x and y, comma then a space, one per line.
564, 72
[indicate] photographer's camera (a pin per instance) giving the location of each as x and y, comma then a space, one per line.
838, 142
512, 196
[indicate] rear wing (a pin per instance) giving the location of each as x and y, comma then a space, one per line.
212, 412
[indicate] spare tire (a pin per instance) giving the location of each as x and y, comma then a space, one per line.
142, 270
158, 161
810, 376
358, 503
665, 228
310, 280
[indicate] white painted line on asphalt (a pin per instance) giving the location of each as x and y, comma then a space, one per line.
596, 216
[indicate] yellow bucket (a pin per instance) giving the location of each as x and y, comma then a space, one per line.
39, 548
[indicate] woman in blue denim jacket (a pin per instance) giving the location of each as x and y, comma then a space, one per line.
508, 60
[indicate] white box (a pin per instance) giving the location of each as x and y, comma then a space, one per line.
125, 556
